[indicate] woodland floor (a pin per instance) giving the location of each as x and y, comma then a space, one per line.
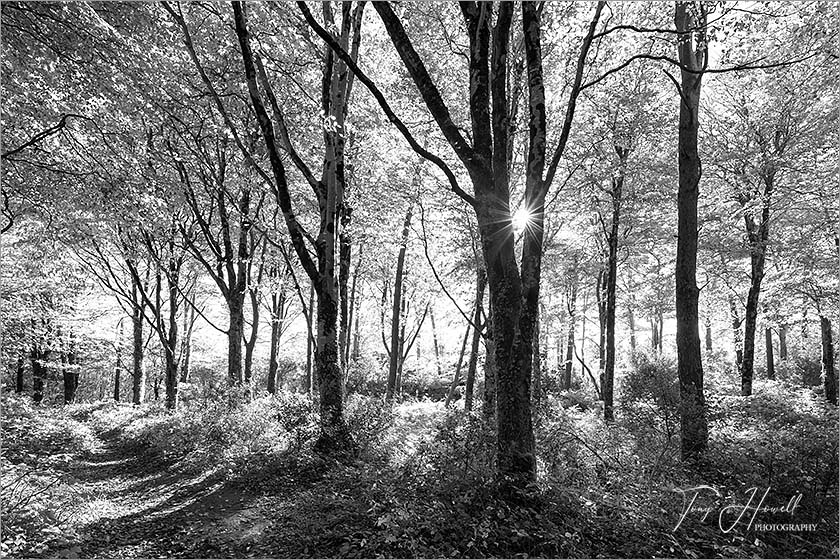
138, 505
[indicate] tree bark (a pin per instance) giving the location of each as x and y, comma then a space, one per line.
396, 309
783, 349
690, 22
536, 365
489, 408
828, 370
19, 371
435, 343
189, 323
310, 347
570, 339
708, 335
138, 377
119, 365
736, 333
472, 366
768, 344
456, 378
235, 334
611, 280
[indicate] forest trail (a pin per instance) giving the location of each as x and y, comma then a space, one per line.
139, 505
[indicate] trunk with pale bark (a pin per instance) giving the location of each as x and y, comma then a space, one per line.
736, 333
783, 349
396, 309
456, 378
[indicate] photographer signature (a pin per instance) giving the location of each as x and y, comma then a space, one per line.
756, 503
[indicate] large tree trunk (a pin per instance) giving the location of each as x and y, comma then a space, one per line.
472, 366
692, 55
828, 370
768, 344
396, 309
334, 434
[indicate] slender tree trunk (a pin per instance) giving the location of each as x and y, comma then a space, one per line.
278, 301
472, 366
352, 311
489, 409
708, 335
828, 369
435, 343
356, 336
601, 300
138, 377
344, 253
693, 425
236, 332
536, 384
457, 377
570, 338
189, 323
783, 349
310, 348
251, 341
171, 349
119, 366
736, 333
610, 282
768, 343
19, 373
750, 322
397, 307
631, 322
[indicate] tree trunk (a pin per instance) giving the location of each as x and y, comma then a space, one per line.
631, 322
768, 343
334, 435
472, 366
278, 301
708, 335
489, 408
310, 347
344, 253
171, 349
138, 388
435, 343
119, 366
601, 301
570, 339
19, 373
750, 322
235, 334
353, 312
736, 333
397, 307
251, 341
189, 322
783, 349
536, 384
610, 282
828, 370
457, 377
692, 54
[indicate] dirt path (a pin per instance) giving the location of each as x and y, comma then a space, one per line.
140, 506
